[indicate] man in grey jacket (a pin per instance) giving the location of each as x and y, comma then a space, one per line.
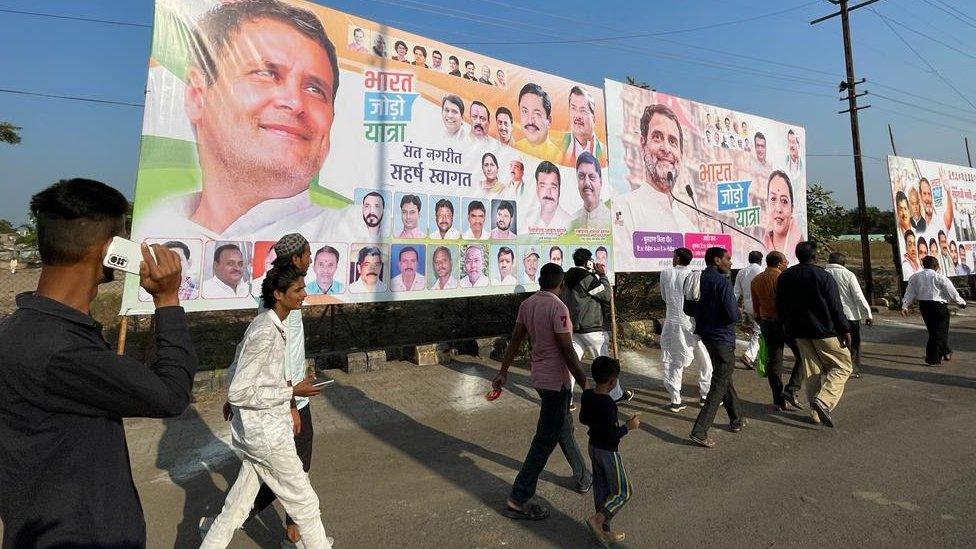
587, 295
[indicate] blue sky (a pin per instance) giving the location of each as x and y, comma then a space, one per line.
778, 66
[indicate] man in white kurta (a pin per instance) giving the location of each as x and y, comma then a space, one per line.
680, 347
743, 291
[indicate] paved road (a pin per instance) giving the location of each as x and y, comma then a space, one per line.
415, 457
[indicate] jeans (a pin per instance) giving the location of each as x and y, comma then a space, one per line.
721, 390
555, 427
303, 445
936, 317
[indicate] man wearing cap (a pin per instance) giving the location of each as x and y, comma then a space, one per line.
530, 264
292, 249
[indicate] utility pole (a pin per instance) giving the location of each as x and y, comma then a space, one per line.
850, 86
968, 157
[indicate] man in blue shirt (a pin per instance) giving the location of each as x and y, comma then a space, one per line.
715, 314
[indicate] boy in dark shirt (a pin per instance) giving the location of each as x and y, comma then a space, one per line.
611, 487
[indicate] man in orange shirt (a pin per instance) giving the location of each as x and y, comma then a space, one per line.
763, 288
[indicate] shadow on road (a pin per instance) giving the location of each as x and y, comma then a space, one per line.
444, 455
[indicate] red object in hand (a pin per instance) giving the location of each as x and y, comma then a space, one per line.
493, 394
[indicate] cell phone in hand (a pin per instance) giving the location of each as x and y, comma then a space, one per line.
124, 255
319, 383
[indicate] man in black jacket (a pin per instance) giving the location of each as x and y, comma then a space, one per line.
809, 306
65, 478
587, 295
715, 314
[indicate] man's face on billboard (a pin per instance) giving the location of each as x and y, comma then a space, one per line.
504, 124
590, 184
229, 267
184, 261
370, 268
581, 117
451, 114
547, 191
437, 59
479, 120
408, 263
532, 115
268, 115
760, 149
914, 204
793, 144
601, 257
469, 69
358, 35
372, 211
555, 255
442, 264
410, 215
925, 190
453, 63
474, 262
662, 152
531, 264
517, 171
476, 220
505, 265
325, 267
445, 218
503, 219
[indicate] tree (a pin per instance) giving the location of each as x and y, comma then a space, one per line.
824, 216
639, 83
9, 133
6, 226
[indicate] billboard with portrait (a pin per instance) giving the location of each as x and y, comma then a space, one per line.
934, 208
687, 174
415, 169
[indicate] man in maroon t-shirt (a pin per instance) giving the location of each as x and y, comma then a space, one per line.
545, 319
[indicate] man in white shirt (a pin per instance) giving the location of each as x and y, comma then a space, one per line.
444, 219
437, 61
408, 280
547, 189
856, 307
474, 264
743, 295
228, 274
443, 266
504, 215
582, 115
260, 140
364, 222
369, 267
680, 347
476, 222
653, 206
452, 114
530, 265
506, 268
932, 290
794, 164
410, 216
503, 122
589, 178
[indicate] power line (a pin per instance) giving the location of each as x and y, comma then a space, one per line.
72, 18
924, 108
71, 98
927, 36
955, 14
924, 60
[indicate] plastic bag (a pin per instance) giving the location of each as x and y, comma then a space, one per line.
761, 358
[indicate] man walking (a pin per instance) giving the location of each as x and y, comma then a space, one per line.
544, 318
763, 290
856, 307
65, 479
932, 290
715, 314
743, 295
587, 296
809, 306
680, 347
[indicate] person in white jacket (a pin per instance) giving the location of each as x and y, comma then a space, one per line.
856, 307
743, 294
262, 401
680, 347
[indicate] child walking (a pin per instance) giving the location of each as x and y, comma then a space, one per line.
611, 487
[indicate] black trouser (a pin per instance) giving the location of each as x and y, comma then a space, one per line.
796, 376
856, 346
303, 445
721, 389
555, 426
936, 317
775, 335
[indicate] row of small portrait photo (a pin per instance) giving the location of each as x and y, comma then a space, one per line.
420, 55
237, 269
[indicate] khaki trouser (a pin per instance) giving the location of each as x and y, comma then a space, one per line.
826, 367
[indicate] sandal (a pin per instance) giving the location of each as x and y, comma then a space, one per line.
529, 511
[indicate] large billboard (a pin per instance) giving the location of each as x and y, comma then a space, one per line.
416, 169
692, 175
934, 208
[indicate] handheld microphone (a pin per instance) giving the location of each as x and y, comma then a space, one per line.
723, 224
